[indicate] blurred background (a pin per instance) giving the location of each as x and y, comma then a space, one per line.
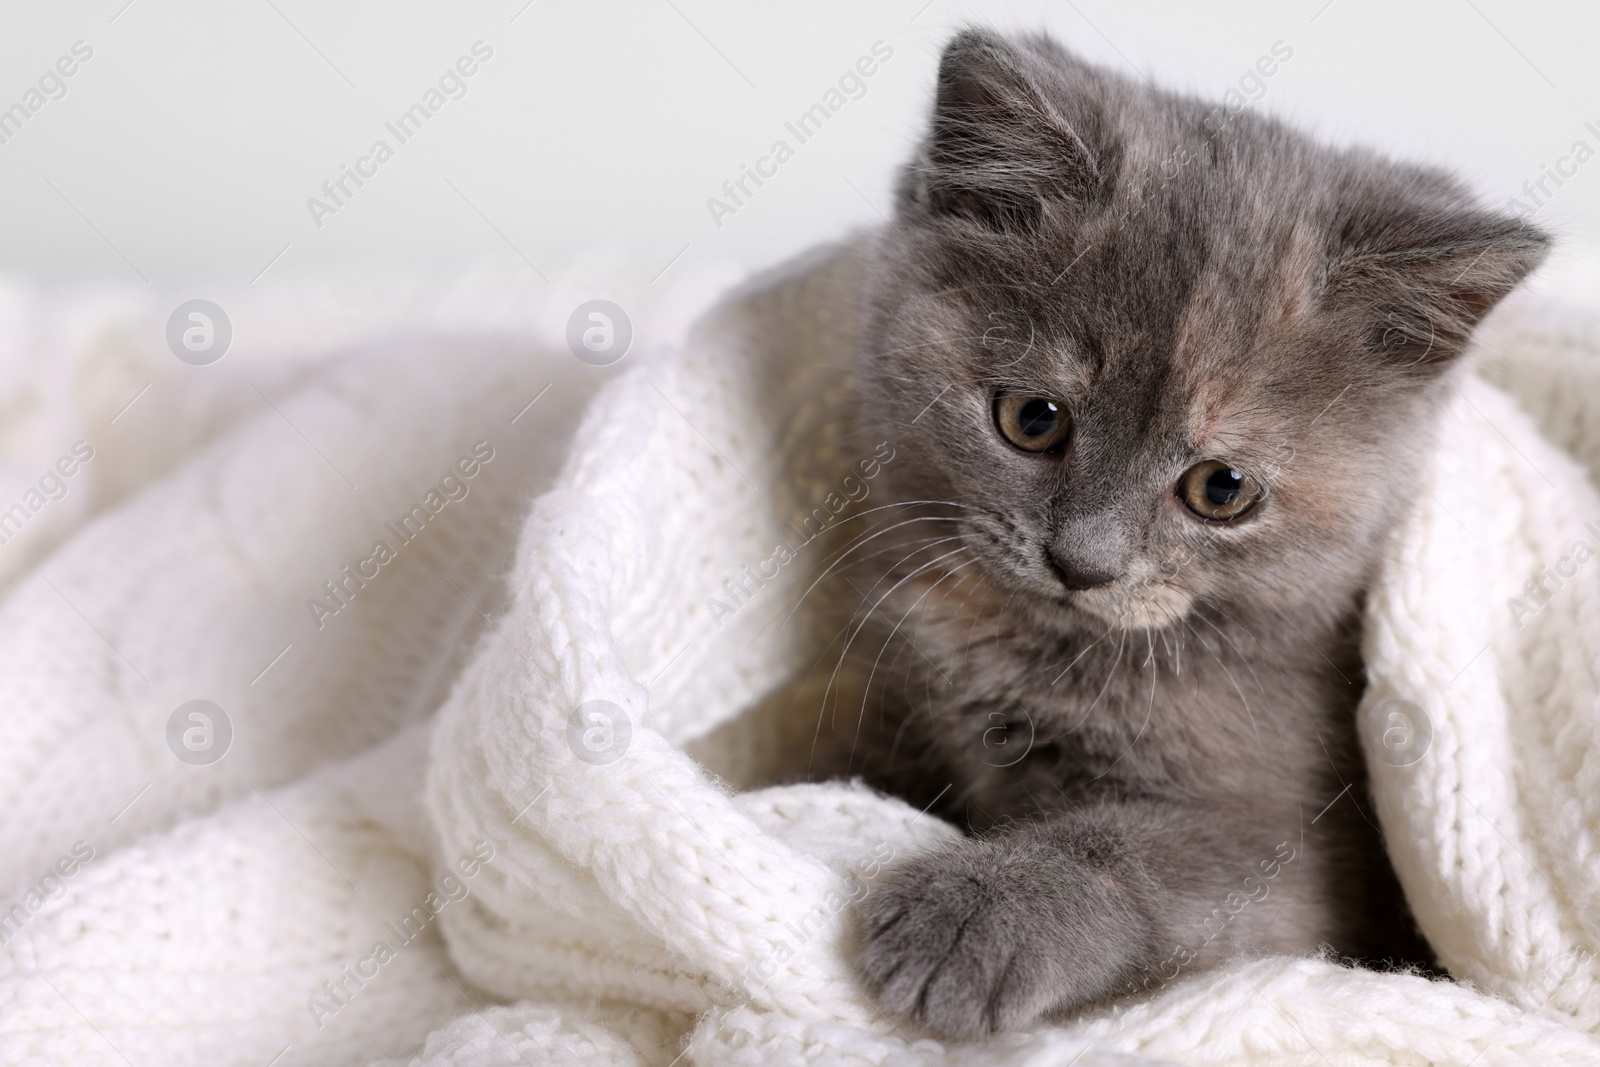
191, 142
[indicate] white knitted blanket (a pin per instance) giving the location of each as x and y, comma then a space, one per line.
483, 806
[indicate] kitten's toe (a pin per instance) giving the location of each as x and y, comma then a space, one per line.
947, 943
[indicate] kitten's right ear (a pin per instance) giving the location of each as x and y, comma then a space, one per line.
999, 148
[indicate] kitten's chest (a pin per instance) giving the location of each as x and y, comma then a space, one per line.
1026, 718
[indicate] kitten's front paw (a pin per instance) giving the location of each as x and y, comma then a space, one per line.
964, 942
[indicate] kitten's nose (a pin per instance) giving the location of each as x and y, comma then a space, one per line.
1076, 574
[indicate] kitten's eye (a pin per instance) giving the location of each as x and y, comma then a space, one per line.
1213, 490
1032, 423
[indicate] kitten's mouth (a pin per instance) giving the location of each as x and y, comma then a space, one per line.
1040, 591
1144, 606
1125, 603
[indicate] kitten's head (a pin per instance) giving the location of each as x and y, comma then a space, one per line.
1154, 354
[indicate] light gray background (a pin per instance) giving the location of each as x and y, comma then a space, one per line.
185, 150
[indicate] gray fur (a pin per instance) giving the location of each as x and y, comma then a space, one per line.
1188, 731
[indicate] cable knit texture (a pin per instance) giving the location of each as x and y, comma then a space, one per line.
514, 760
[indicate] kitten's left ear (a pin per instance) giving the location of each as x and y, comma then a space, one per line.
1427, 273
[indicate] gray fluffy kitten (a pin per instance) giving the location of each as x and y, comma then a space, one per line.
1155, 420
